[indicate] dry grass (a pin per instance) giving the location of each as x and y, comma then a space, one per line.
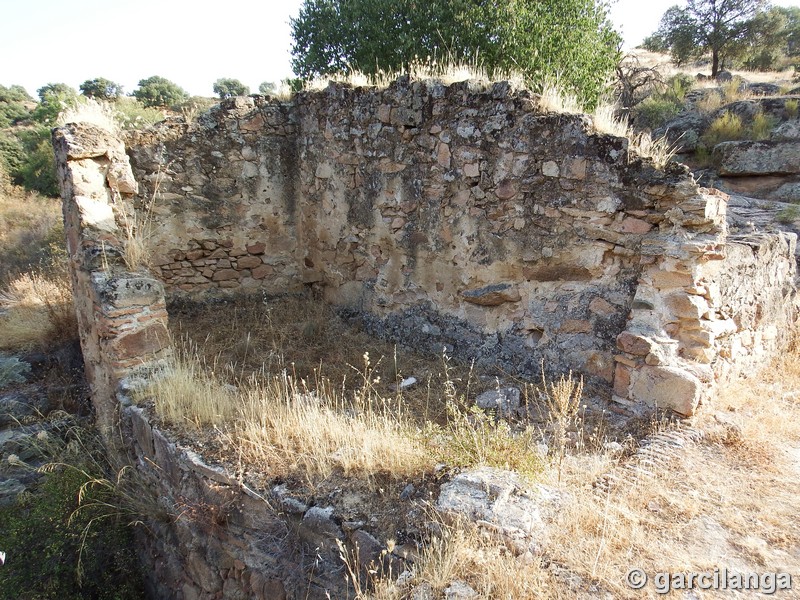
659, 150
553, 98
37, 310
728, 501
95, 112
188, 393
290, 430
278, 424
445, 71
31, 230
137, 227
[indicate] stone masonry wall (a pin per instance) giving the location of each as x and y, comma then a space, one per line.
122, 315
463, 217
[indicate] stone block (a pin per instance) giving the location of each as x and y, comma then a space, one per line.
633, 343
550, 169
248, 262
225, 275
256, 248
492, 295
667, 387
124, 291
141, 343
262, 271
687, 306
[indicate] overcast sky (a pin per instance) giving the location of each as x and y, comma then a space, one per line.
191, 43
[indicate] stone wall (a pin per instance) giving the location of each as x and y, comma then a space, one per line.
440, 215
461, 217
122, 317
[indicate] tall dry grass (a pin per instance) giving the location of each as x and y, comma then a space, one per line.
36, 310
659, 150
293, 430
31, 230
278, 423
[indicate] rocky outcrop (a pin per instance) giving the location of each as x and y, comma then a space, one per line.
758, 158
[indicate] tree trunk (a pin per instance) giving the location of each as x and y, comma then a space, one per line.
714, 63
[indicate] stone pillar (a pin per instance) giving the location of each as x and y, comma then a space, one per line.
122, 315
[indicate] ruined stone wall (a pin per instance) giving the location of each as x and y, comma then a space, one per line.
122, 317
219, 200
460, 217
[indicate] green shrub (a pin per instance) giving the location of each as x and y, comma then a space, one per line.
158, 91
790, 107
37, 170
54, 552
12, 154
13, 107
788, 215
12, 370
726, 127
761, 126
655, 111
132, 114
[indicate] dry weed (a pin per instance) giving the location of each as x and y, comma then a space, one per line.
188, 394
89, 110
290, 430
37, 311
553, 98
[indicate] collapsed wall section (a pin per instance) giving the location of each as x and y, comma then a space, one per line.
463, 217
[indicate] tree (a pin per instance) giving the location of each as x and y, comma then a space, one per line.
158, 91
715, 26
14, 105
225, 88
774, 40
266, 88
54, 97
570, 40
101, 88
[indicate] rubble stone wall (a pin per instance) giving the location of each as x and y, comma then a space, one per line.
461, 217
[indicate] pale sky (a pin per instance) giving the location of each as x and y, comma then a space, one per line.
188, 42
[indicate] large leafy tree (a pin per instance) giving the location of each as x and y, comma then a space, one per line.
774, 39
101, 88
226, 87
718, 27
54, 97
15, 105
568, 40
159, 91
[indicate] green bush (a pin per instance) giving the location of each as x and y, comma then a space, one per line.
54, 97
655, 111
132, 114
13, 107
762, 126
158, 91
54, 552
790, 107
12, 153
725, 128
227, 87
37, 170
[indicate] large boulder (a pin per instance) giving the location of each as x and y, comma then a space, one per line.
758, 158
